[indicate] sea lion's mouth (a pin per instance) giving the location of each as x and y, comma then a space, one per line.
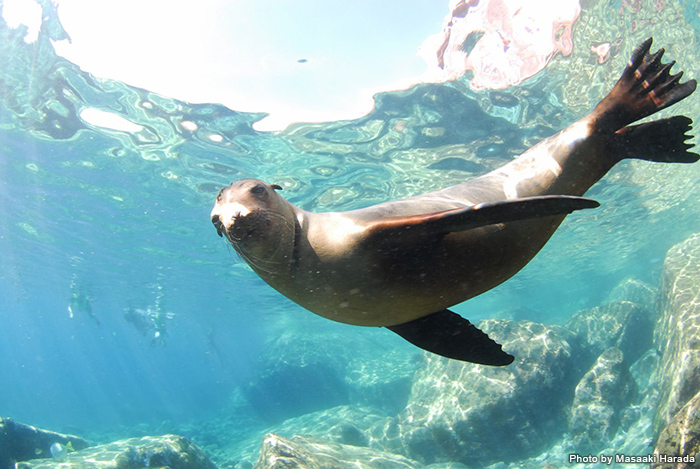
242, 227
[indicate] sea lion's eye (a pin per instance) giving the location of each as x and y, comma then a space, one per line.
257, 190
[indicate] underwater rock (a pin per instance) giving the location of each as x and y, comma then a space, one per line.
298, 375
635, 291
622, 324
344, 424
347, 425
644, 371
301, 373
464, 412
635, 433
599, 397
447, 465
383, 381
678, 329
21, 442
173, 451
681, 437
311, 453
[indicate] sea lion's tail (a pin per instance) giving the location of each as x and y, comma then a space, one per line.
645, 87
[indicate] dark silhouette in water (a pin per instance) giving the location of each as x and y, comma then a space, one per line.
80, 301
213, 346
150, 322
401, 264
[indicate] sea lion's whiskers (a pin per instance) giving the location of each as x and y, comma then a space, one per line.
230, 248
269, 264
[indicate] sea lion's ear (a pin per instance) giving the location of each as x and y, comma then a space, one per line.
276, 187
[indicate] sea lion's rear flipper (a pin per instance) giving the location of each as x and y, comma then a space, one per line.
488, 213
646, 86
450, 335
662, 140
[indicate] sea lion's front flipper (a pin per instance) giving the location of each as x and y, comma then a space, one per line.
483, 214
450, 335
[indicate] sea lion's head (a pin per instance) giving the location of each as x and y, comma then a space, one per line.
257, 221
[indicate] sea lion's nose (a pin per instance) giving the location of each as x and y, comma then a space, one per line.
216, 220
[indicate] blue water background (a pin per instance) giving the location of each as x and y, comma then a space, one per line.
125, 217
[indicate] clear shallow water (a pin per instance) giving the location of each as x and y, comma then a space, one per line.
125, 216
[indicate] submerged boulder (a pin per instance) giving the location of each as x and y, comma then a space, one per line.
383, 381
297, 375
347, 425
635, 291
681, 437
621, 324
464, 412
344, 424
172, 451
300, 452
677, 335
598, 400
21, 442
301, 373
635, 434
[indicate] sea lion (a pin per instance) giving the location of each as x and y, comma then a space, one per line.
401, 264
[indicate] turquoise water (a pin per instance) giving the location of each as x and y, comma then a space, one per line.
123, 217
